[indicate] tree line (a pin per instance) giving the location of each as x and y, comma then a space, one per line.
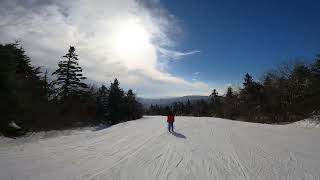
286, 94
30, 100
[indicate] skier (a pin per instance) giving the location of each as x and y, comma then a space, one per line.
170, 120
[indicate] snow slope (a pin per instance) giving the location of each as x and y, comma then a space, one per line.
202, 148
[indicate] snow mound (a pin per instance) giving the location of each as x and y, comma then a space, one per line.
31, 137
12, 124
313, 122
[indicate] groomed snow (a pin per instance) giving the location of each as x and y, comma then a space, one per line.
202, 148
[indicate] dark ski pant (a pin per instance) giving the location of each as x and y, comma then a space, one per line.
170, 127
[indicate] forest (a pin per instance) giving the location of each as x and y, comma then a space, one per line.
36, 100
286, 94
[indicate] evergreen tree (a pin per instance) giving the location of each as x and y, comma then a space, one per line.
188, 108
8, 67
47, 89
214, 103
115, 101
267, 81
130, 103
132, 106
299, 90
102, 102
271, 97
248, 81
214, 94
230, 104
69, 76
251, 97
229, 98
21, 90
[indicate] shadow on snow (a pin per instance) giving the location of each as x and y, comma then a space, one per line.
178, 135
100, 127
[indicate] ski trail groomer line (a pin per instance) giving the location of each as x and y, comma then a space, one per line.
170, 120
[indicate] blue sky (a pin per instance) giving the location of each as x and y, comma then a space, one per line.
165, 48
236, 37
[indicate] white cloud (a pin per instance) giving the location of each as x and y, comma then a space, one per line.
195, 76
128, 39
174, 55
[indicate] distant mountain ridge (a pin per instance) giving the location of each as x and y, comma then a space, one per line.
146, 102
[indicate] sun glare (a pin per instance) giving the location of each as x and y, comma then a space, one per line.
131, 38
131, 43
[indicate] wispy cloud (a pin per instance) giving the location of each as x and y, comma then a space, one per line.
174, 55
195, 76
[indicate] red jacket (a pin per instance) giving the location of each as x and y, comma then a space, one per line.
170, 119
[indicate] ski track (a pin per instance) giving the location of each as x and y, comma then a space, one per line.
202, 148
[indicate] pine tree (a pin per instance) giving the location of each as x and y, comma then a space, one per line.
248, 81
23, 61
133, 107
102, 101
214, 94
46, 87
21, 90
267, 81
115, 101
214, 98
229, 94
299, 89
270, 97
230, 104
8, 67
188, 108
251, 97
69, 76
214, 102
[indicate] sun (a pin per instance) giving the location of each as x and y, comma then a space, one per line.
131, 37
132, 45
